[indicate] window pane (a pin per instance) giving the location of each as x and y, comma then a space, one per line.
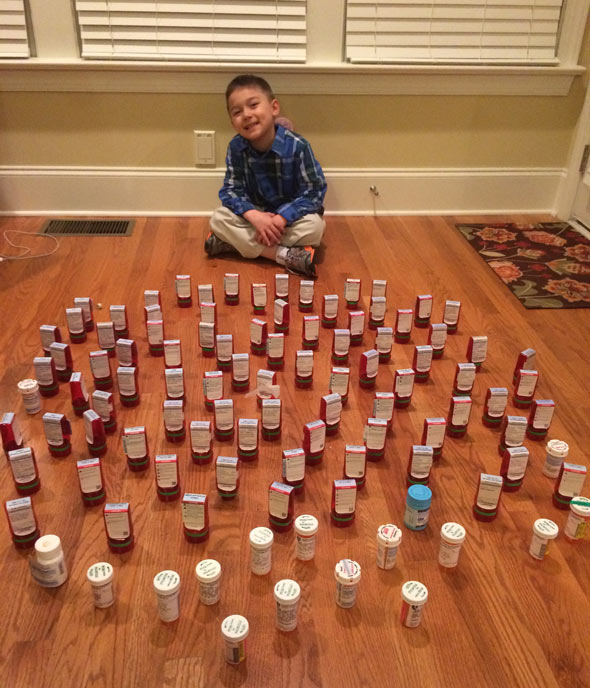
252, 30
504, 31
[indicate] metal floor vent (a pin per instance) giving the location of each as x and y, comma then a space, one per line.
89, 227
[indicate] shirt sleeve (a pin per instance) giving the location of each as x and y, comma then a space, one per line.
233, 194
310, 187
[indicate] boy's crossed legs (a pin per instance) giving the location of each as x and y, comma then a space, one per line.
232, 232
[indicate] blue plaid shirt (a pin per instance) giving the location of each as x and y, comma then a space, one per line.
286, 180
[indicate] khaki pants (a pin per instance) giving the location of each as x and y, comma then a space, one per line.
234, 230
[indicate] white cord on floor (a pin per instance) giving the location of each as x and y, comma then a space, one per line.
27, 249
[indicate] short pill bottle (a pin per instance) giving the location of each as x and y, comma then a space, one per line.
100, 577
234, 631
452, 536
49, 567
414, 597
578, 519
544, 530
417, 507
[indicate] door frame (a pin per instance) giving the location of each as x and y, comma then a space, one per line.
566, 194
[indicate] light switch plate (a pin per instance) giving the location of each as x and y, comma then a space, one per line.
204, 147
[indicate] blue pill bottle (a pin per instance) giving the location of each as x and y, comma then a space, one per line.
417, 507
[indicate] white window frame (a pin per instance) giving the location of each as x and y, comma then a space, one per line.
58, 66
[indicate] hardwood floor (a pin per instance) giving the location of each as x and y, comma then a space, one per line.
500, 618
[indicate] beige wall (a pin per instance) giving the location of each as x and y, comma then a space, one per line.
148, 130
345, 131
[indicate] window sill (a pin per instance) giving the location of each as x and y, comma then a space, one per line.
309, 79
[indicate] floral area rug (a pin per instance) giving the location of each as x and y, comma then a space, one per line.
546, 265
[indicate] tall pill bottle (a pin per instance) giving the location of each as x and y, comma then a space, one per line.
287, 594
306, 529
208, 572
167, 589
348, 575
261, 540
100, 577
389, 538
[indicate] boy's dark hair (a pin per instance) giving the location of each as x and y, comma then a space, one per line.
245, 80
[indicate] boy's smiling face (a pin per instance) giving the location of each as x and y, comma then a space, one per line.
252, 115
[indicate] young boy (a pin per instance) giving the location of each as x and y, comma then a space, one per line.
274, 188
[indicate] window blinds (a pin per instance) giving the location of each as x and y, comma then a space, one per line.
217, 30
13, 29
468, 31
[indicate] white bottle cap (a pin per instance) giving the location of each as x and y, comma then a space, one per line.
287, 591
389, 535
100, 573
557, 448
261, 537
208, 571
545, 528
48, 547
580, 506
166, 582
453, 533
347, 572
306, 525
28, 386
235, 628
414, 592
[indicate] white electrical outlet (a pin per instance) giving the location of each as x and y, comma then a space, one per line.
204, 147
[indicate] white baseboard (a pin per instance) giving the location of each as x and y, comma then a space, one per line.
127, 191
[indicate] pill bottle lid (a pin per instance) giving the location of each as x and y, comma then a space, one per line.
235, 628
453, 533
27, 386
580, 506
166, 582
208, 571
389, 535
100, 573
261, 537
557, 448
287, 591
347, 572
419, 496
545, 528
414, 592
306, 525
48, 547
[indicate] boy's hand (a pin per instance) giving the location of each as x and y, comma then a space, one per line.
279, 222
275, 232
269, 227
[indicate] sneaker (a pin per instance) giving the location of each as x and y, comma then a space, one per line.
299, 259
214, 245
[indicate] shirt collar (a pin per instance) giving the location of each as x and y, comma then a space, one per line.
277, 144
